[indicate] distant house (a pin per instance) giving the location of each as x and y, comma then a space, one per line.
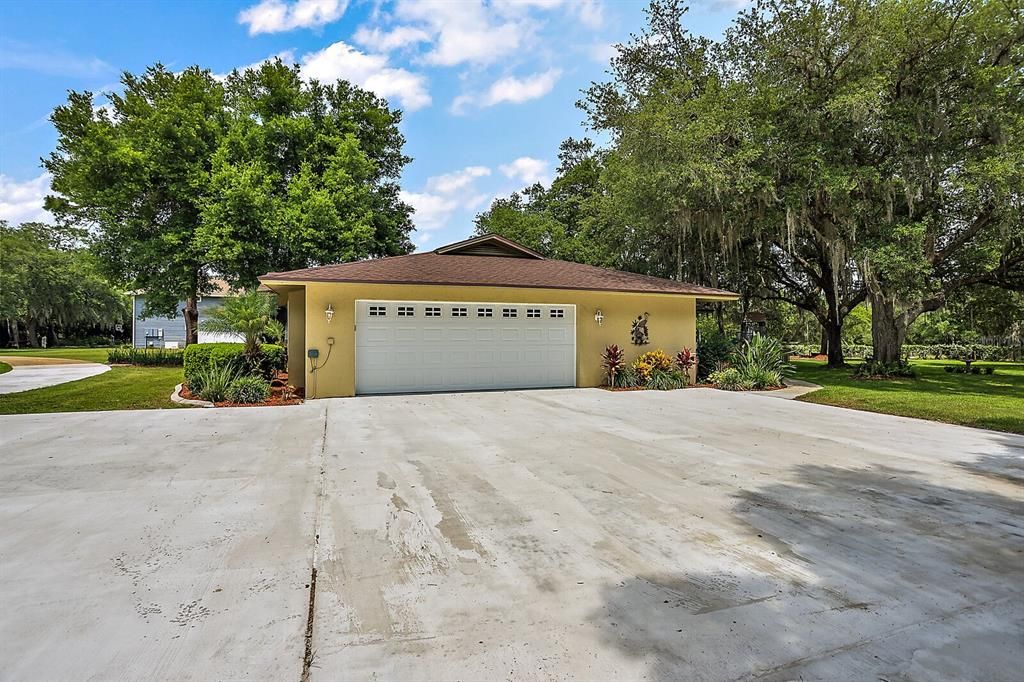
169, 332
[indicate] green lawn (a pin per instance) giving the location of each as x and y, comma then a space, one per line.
4, 368
990, 402
90, 354
122, 388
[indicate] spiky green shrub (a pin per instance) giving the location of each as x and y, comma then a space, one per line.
248, 390
212, 383
762, 354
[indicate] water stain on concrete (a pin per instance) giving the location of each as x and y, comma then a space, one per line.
452, 525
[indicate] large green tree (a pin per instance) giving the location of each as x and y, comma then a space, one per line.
822, 154
137, 173
944, 122
726, 166
183, 178
306, 174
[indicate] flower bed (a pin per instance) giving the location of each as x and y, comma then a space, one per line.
280, 394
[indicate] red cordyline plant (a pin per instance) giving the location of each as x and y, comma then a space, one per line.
613, 360
686, 359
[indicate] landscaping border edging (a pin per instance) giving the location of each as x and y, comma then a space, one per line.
176, 397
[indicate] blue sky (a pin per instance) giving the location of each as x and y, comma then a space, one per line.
488, 88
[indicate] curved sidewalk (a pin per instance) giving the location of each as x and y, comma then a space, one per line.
28, 373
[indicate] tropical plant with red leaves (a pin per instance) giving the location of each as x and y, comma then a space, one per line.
686, 359
613, 359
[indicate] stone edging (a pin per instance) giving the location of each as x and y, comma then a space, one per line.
176, 397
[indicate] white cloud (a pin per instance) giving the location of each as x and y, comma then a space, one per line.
275, 16
54, 62
444, 195
432, 210
385, 41
588, 12
22, 202
463, 31
456, 180
526, 169
510, 89
370, 71
517, 90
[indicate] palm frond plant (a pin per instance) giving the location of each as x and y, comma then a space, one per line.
250, 315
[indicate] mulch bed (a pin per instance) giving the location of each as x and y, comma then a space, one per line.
280, 394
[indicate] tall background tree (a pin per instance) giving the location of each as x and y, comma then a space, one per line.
183, 178
50, 285
822, 154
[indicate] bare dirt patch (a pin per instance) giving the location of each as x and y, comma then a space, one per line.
29, 361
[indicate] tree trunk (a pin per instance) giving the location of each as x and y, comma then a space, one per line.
33, 334
887, 329
191, 314
832, 335
823, 346
720, 317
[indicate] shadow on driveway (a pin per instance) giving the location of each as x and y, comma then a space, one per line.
880, 574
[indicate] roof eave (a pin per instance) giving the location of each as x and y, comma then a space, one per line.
706, 295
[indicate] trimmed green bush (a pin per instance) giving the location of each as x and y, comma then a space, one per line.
935, 351
713, 349
200, 356
249, 390
128, 355
875, 369
666, 379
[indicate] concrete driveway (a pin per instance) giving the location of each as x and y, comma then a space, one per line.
525, 535
28, 373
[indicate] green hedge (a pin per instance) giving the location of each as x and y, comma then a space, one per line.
937, 351
145, 356
199, 356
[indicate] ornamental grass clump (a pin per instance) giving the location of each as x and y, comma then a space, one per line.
758, 364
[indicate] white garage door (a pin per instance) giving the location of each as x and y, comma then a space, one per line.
411, 346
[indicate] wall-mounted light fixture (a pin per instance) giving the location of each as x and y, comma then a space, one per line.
599, 317
329, 313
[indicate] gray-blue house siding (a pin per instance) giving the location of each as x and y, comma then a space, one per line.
158, 332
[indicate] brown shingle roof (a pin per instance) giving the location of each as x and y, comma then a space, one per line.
498, 271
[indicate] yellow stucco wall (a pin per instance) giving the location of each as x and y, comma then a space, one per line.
672, 324
297, 338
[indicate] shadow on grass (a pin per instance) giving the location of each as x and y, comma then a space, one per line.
871, 573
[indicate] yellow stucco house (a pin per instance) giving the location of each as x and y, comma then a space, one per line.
484, 313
